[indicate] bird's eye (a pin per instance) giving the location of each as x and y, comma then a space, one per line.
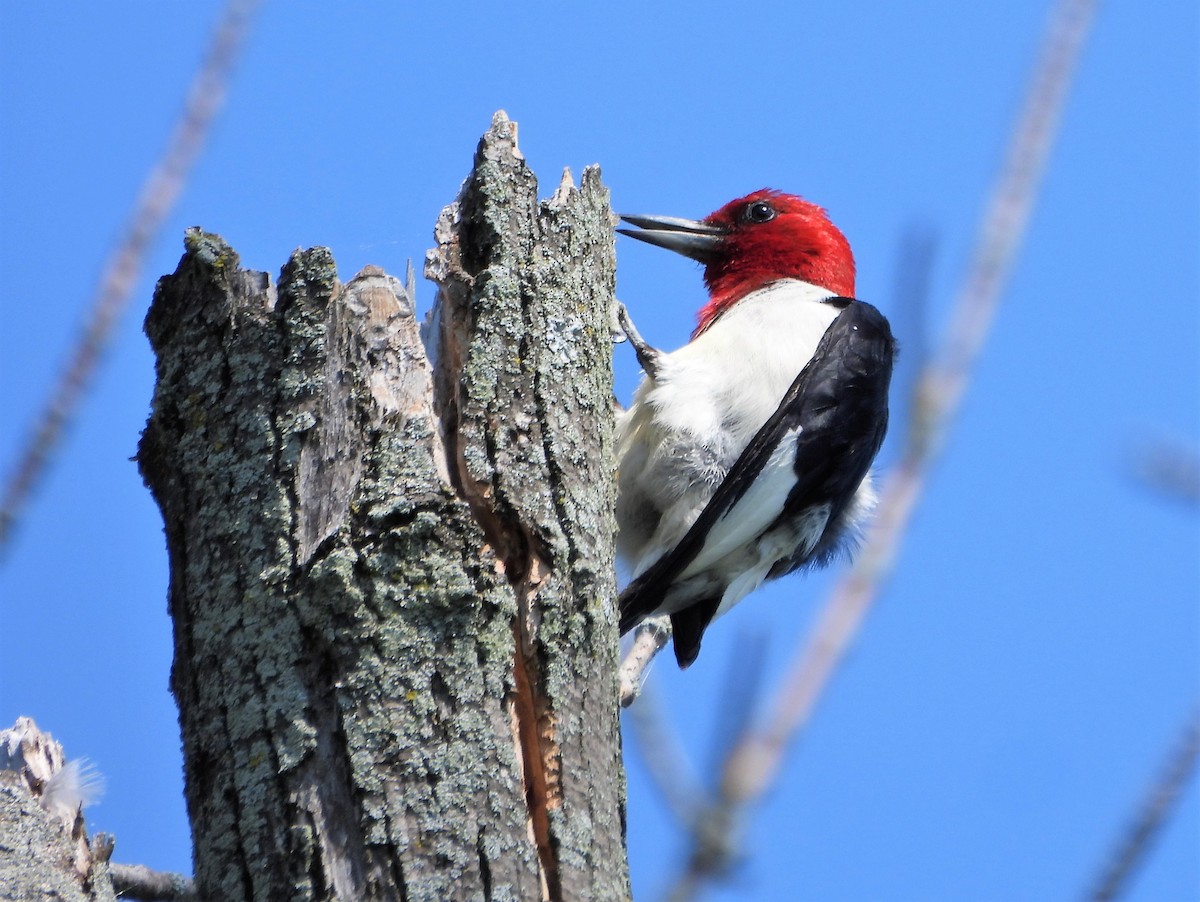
759, 211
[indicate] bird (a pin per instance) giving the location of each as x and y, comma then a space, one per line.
745, 455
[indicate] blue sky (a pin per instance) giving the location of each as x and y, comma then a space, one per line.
1037, 650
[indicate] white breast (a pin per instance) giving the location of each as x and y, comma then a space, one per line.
687, 427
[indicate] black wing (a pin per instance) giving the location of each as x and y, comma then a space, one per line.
839, 403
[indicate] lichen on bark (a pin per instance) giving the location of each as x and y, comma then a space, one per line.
392, 584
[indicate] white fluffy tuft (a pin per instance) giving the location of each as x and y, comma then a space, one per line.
77, 785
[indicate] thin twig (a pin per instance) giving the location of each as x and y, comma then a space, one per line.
1153, 813
135, 881
648, 640
754, 763
158, 195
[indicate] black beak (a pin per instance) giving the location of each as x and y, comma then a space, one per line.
689, 237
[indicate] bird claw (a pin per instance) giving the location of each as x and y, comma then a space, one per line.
647, 356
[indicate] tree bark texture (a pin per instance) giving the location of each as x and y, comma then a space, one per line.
392, 581
45, 852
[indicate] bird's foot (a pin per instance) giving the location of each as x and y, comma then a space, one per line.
647, 356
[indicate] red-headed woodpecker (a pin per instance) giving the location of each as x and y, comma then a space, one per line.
746, 453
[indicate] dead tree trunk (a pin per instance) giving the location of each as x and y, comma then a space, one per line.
392, 584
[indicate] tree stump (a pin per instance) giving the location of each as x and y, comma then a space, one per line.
392, 578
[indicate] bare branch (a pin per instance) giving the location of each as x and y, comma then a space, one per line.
158, 195
649, 639
1152, 814
134, 881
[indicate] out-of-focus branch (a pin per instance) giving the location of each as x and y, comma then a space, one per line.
910, 316
1171, 469
1152, 814
134, 881
690, 800
157, 197
754, 763
666, 760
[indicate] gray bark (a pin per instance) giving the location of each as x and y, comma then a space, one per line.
392, 584
37, 856
45, 853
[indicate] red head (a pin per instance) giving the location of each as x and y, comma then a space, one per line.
755, 240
